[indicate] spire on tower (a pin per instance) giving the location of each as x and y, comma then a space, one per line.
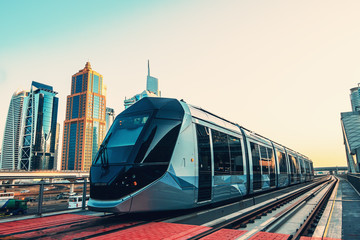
148, 67
87, 65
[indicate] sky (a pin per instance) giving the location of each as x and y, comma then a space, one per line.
282, 69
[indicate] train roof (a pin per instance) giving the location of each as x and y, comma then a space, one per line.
166, 107
172, 108
207, 116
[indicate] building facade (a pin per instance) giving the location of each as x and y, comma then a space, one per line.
10, 146
38, 128
110, 116
84, 125
57, 163
355, 98
152, 90
350, 124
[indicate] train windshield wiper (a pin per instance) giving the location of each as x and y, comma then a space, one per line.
102, 154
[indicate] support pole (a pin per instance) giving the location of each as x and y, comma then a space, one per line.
41, 197
83, 206
72, 185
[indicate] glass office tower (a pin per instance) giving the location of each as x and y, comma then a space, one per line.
84, 125
38, 128
350, 124
355, 98
10, 148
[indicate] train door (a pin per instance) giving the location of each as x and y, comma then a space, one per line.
204, 163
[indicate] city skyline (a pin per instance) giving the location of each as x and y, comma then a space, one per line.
281, 69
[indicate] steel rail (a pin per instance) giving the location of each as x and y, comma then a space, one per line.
257, 213
279, 216
308, 222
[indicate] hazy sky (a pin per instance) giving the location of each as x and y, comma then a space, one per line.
280, 68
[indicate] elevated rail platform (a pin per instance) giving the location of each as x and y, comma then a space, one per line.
342, 214
339, 220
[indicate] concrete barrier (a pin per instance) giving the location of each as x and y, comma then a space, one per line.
354, 179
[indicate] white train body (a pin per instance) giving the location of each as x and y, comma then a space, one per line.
164, 154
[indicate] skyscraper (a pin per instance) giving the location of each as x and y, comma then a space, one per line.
350, 124
152, 83
355, 98
152, 90
110, 116
57, 162
84, 125
10, 148
38, 128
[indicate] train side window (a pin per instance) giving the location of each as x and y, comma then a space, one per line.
160, 143
302, 164
282, 162
292, 164
264, 160
236, 156
297, 164
305, 164
221, 153
307, 167
271, 160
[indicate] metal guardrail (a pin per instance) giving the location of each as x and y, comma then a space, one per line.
21, 174
42, 192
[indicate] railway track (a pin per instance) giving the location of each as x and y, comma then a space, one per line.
298, 213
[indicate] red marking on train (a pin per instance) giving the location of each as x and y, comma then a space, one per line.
39, 223
225, 234
154, 231
269, 236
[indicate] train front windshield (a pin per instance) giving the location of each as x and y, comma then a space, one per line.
121, 139
138, 139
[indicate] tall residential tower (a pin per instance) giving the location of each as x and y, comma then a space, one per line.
10, 148
84, 125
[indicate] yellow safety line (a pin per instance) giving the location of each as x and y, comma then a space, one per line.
332, 208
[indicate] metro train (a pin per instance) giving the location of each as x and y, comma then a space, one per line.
164, 154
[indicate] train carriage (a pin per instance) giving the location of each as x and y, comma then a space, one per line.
164, 154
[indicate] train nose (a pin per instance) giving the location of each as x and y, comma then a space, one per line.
100, 176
